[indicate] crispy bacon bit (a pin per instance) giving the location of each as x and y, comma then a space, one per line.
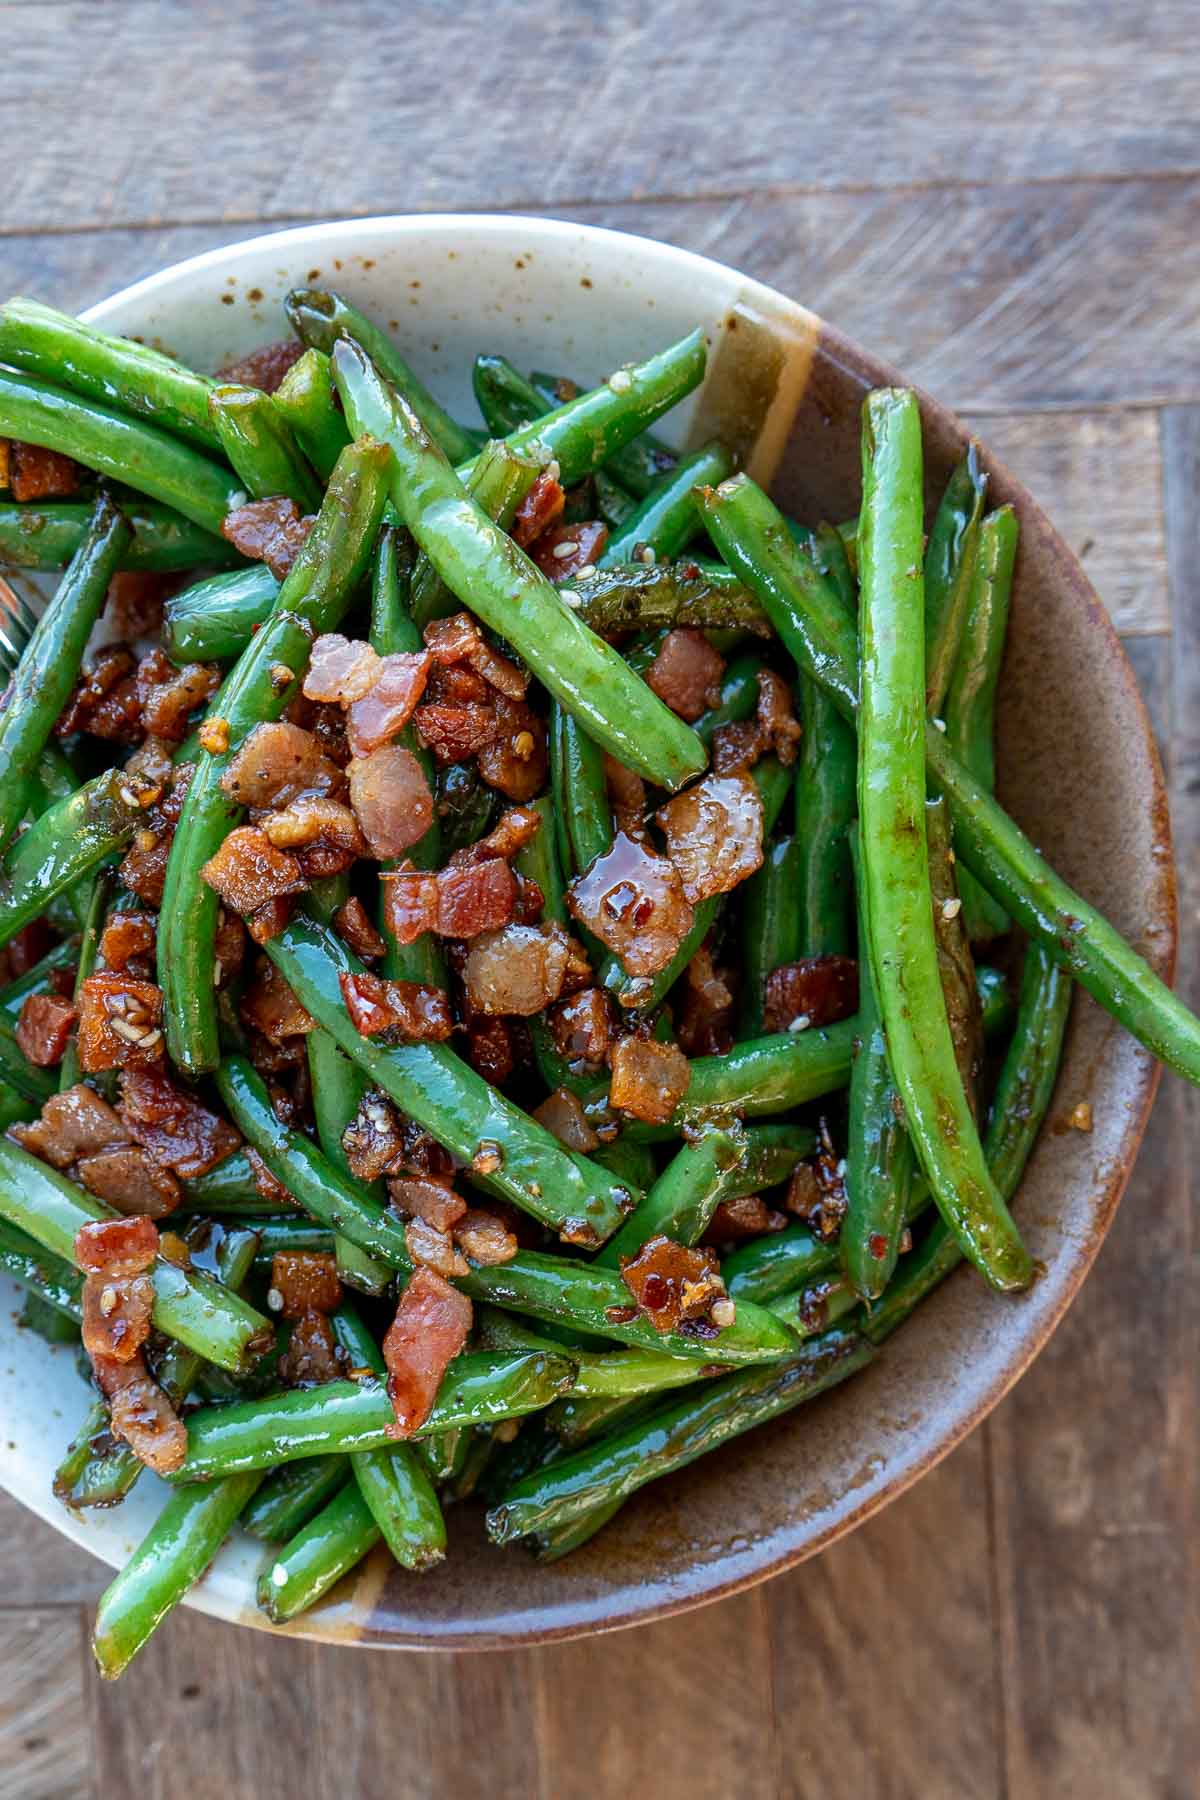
145, 866
817, 990
410, 900
484, 1238
117, 1305
229, 945
174, 1129
172, 695
706, 1022
314, 819
270, 1189
400, 1011
304, 1281
44, 1028
431, 1326
105, 699
35, 473
539, 510
311, 1357
421, 1197
582, 1026
648, 1079
627, 795
382, 714
126, 937
458, 640
714, 833
119, 1023
633, 901
270, 1007
354, 927
491, 1049
778, 727
133, 606
454, 733
269, 919
516, 827
247, 871
75, 1123
373, 1140
140, 1413
116, 1246
516, 762
276, 764
434, 1249
270, 531
686, 673
128, 1179
561, 552
391, 799
518, 969
563, 1116
264, 368
341, 669
817, 1190
748, 1216
475, 898
674, 1287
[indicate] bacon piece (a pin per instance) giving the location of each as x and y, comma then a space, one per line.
264, 368
706, 1021
561, 552
140, 1414
474, 899
128, 1179
516, 761
401, 1011
410, 901
736, 1221
518, 969
686, 673
174, 1129
35, 473
75, 1123
311, 1357
277, 763
304, 1281
383, 712
774, 728
247, 871
455, 733
126, 937
116, 1246
341, 669
133, 606
269, 1006
484, 1238
434, 1249
170, 695
26, 947
563, 1116
270, 1189
817, 1190
44, 1028
817, 990
582, 1026
269, 919
270, 531
539, 510
391, 799
633, 901
354, 927
677, 1289
627, 796
421, 1197
714, 833
516, 827
144, 869
458, 640
119, 1023
310, 820
373, 1140
230, 946
105, 699
648, 1079
431, 1326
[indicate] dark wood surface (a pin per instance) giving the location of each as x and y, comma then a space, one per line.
1005, 202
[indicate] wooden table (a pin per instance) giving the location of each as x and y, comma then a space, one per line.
1006, 202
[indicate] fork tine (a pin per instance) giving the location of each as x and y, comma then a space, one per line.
17, 622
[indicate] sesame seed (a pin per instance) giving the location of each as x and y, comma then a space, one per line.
939, 724
152, 1039
620, 381
1081, 1118
108, 1300
723, 1314
128, 796
801, 1022
647, 555
587, 573
218, 971
951, 908
535, 1190
570, 599
274, 1299
552, 470
281, 677
236, 499
523, 745
569, 547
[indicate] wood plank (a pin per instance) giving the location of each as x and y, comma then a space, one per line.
318, 120
883, 1651
41, 1567
683, 1709
44, 1751
1096, 1451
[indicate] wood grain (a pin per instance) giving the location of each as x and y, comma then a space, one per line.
586, 102
45, 1751
40, 1566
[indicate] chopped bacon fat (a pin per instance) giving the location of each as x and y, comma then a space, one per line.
44, 1028
714, 833
383, 712
304, 1281
431, 1326
633, 901
402, 1010
373, 1140
434, 1249
581, 1026
247, 871
118, 1295
311, 1358
458, 640
817, 990
341, 669
736, 1221
275, 764
458, 901
391, 799
563, 551
270, 1006
140, 1413
118, 1023
354, 927
116, 1246
686, 673
420, 1197
311, 819
539, 510
674, 1287
77, 1122
518, 969
127, 1178
126, 936
35, 473
648, 1079
562, 1114
270, 531
484, 1238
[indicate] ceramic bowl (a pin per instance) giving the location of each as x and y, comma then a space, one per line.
1078, 769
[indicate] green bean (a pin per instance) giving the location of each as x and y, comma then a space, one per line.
289, 1497
444, 1455
229, 1188
499, 481
613, 502
667, 520
769, 1266
537, 861
445, 1096
825, 805
671, 1436
313, 599
338, 1087
323, 320
188, 1305
818, 1304
556, 747
45, 534
637, 460
315, 1560
124, 449
51, 1325
949, 573
657, 596
584, 795
683, 1200
630, 1162
959, 987
42, 978
39, 1270
771, 926
510, 594
291, 1232
971, 701
891, 804
880, 1163
393, 1482
601, 1374
170, 1559
69, 1070
259, 446
63, 847
556, 1543
504, 397
343, 1416
19, 1075
305, 398
754, 539
216, 618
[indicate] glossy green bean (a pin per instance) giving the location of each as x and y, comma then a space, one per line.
683, 1200
667, 520
770, 927
499, 481
769, 1266
510, 594
260, 448
600, 1374
338, 1087
215, 619
305, 397
229, 1188
657, 596
949, 573
289, 1497
63, 847
334, 1541
41, 1271
45, 534
637, 460
825, 806
172, 1556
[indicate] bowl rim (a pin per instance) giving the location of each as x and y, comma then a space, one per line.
642, 1604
